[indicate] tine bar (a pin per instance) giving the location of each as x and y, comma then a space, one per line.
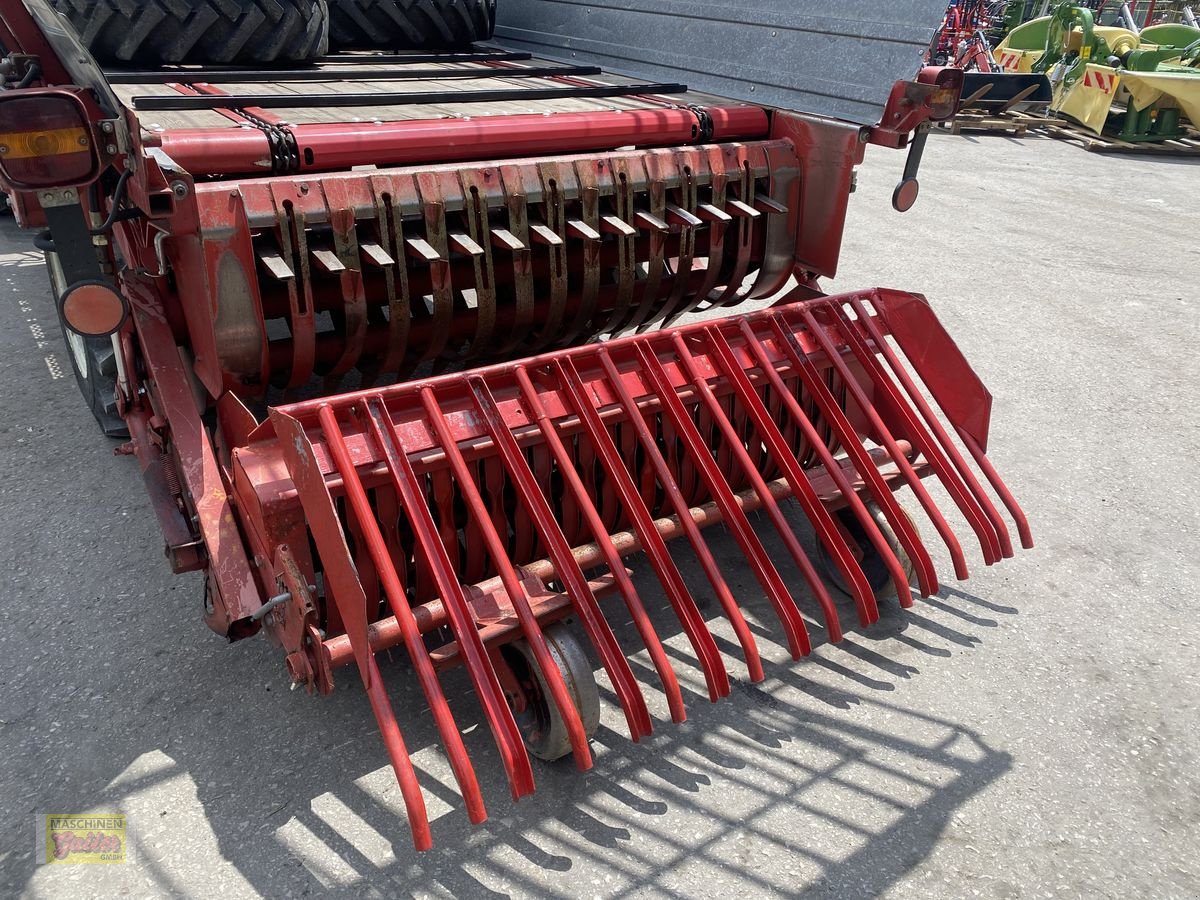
733, 442
966, 502
682, 510
655, 547
836, 418
479, 667
935, 426
935, 515
351, 602
772, 582
866, 520
356, 495
614, 661
512, 583
612, 559
802, 488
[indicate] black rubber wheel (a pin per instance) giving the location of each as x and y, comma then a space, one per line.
94, 363
873, 566
152, 32
410, 24
542, 726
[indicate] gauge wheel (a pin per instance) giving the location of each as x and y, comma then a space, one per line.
873, 564
542, 726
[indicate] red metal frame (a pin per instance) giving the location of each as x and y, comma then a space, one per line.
766, 374
525, 487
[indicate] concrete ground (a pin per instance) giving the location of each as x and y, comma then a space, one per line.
1030, 733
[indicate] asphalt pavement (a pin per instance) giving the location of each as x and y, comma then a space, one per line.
1031, 732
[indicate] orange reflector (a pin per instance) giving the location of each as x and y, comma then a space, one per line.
23, 144
93, 309
943, 103
45, 140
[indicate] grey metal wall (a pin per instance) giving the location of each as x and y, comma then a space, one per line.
828, 57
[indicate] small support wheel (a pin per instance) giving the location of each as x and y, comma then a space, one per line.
541, 723
873, 565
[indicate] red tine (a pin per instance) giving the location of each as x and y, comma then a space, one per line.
802, 488
835, 419
655, 547
817, 330
801, 420
343, 586
567, 569
510, 579
935, 426
410, 789
963, 498
998, 485
772, 582
658, 465
356, 496
454, 599
612, 559
733, 442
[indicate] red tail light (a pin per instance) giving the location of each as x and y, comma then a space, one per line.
46, 140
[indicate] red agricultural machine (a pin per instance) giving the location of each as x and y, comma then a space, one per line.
401, 344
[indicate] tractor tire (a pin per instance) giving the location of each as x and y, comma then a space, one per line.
410, 24
154, 32
94, 363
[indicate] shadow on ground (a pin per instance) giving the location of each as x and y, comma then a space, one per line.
811, 783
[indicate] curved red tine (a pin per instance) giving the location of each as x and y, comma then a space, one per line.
356, 497
801, 420
935, 425
410, 789
802, 488
817, 330
660, 468
735, 518
510, 579
998, 485
950, 476
346, 591
612, 559
836, 421
566, 568
653, 544
474, 656
733, 441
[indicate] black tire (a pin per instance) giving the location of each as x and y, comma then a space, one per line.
873, 566
541, 723
410, 24
94, 363
153, 32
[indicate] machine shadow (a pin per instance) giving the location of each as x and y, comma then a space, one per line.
299, 800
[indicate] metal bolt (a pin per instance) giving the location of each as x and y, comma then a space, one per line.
110, 149
106, 127
179, 189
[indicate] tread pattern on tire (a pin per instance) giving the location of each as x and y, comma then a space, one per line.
152, 32
410, 24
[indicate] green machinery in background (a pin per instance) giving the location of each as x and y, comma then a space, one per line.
1137, 86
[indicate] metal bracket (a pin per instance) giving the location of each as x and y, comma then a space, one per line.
907, 191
